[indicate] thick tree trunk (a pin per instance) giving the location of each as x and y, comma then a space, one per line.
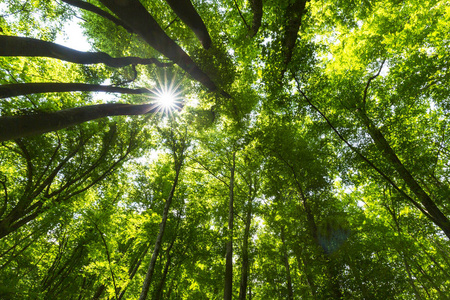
257, 9
286, 265
294, 14
245, 260
22, 46
187, 13
14, 127
162, 227
19, 89
136, 16
228, 290
159, 290
388, 153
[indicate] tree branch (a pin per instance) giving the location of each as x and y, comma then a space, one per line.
96, 10
368, 84
187, 13
23, 46
19, 89
14, 127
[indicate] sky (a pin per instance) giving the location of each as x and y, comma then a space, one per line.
73, 36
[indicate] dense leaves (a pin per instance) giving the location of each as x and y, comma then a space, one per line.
309, 159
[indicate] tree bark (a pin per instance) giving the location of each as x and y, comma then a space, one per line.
228, 290
22, 46
187, 13
162, 227
19, 89
136, 16
14, 127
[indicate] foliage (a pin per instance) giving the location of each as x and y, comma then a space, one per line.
336, 152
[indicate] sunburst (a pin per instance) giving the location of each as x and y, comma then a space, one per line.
167, 96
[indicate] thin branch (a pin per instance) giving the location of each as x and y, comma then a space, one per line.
14, 12
107, 254
369, 81
242, 17
96, 10
167, 27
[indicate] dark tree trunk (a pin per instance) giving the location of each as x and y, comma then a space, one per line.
162, 227
302, 260
14, 127
286, 265
245, 260
159, 290
19, 89
187, 13
257, 9
294, 14
136, 16
21, 46
134, 266
228, 290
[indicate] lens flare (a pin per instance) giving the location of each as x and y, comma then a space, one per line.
167, 96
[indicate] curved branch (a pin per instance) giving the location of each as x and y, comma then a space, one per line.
187, 13
369, 81
96, 10
135, 15
19, 89
22, 46
240, 14
108, 256
14, 127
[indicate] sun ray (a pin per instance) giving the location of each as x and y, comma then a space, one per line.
167, 96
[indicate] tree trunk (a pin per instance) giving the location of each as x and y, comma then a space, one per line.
136, 16
187, 13
388, 153
257, 9
162, 227
22, 46
294, 14
158, 292
14, 127
286, 265
134, 266
245, 261
302, 260
19, 89
228, 290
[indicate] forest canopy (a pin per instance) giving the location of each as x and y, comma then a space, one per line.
235, 149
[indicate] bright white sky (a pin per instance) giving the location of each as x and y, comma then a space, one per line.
73, 36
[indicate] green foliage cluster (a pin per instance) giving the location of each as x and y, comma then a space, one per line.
336, 163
